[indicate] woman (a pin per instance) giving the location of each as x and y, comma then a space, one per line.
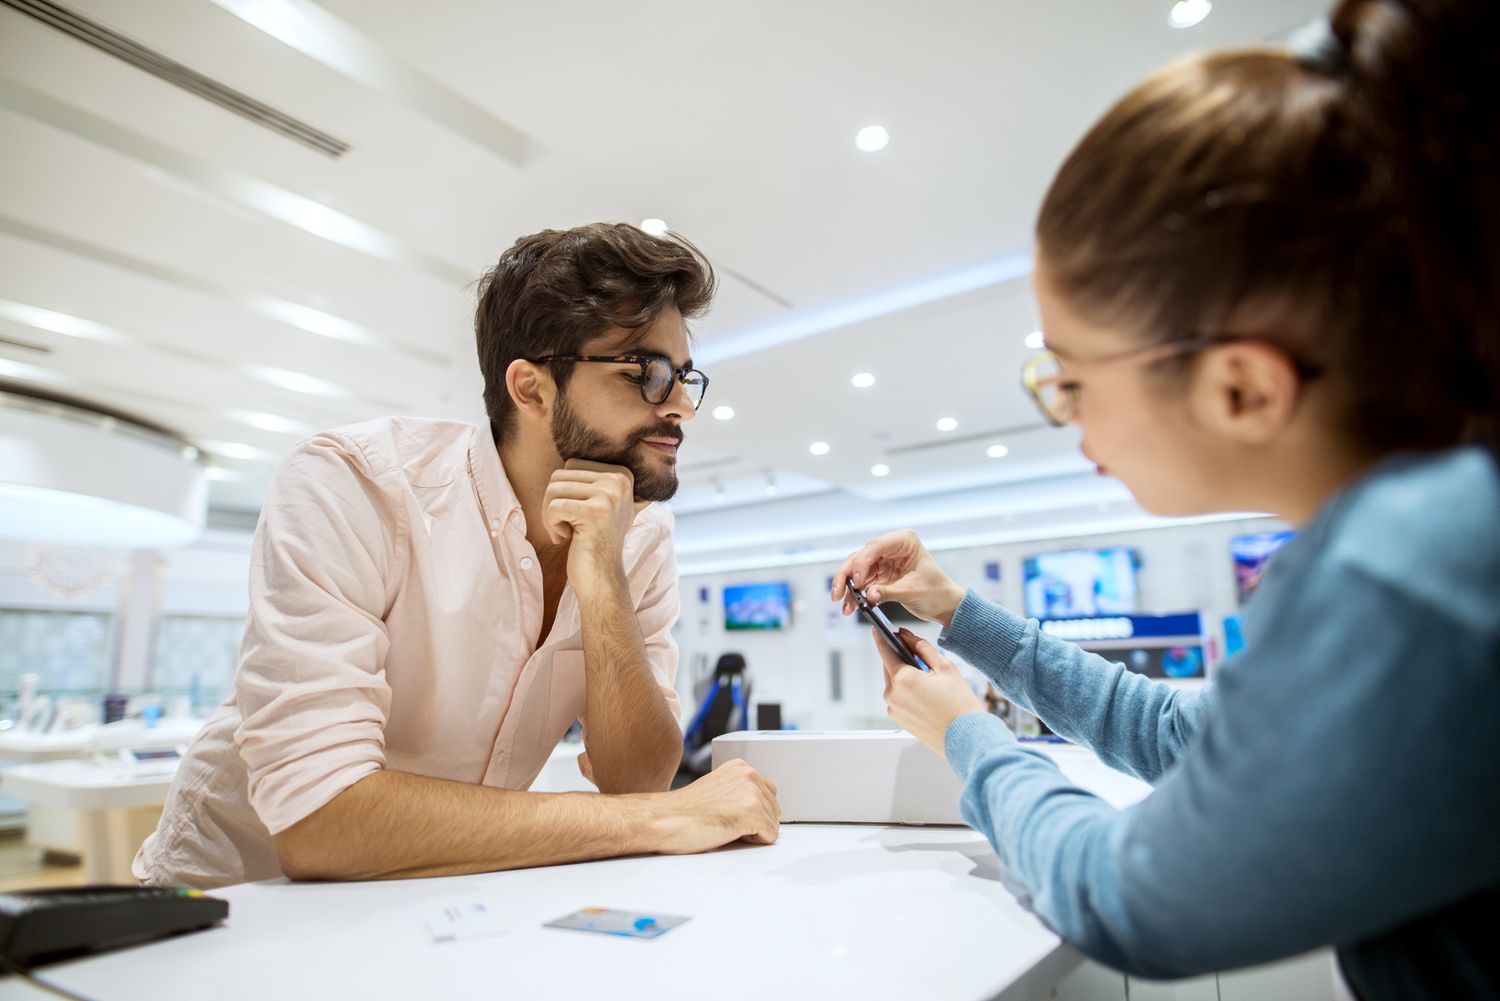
1268, 281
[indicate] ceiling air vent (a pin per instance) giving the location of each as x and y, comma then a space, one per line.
11, 342
178, 75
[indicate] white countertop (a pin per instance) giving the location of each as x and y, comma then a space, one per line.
88, 785
29, 746
829, 911
838, 910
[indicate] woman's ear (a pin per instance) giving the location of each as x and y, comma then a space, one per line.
531, 389
1246, 391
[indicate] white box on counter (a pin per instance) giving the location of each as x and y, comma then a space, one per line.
852, 776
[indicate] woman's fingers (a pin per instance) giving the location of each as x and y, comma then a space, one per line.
923, 648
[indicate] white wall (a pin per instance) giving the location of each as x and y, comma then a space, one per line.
1183, 568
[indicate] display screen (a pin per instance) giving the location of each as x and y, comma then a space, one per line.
757, 606
897, 613
1164, 662
1081, 582
1250, 554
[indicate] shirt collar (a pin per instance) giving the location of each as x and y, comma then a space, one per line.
497, 499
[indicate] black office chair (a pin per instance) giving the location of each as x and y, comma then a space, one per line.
728, 695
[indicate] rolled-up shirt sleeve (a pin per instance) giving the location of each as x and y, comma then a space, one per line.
311, 684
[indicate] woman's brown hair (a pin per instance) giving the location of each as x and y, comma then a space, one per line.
1351, 191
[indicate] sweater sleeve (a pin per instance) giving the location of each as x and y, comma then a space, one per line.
1133, 723
1304, 814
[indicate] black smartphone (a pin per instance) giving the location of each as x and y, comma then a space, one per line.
875, 617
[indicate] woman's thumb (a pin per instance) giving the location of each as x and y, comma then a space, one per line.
895, 590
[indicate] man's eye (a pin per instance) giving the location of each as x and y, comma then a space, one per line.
634, 378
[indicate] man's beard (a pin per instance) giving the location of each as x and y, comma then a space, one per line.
575, 440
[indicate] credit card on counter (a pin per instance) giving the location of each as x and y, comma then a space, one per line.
608, 921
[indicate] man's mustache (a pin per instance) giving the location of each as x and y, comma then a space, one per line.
661, 431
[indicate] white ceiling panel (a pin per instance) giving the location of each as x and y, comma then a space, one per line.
132, 204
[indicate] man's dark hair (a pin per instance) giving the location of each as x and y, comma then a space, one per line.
555, 290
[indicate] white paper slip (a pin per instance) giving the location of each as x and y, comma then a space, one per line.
460, 921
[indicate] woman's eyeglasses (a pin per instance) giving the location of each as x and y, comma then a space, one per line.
657, 377
1057, 397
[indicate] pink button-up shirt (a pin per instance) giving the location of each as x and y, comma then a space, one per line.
395, 606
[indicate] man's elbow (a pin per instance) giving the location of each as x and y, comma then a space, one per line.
653, 777
303, 855
619, 785
319, 846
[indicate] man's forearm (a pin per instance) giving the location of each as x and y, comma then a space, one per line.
633, 740
394, 825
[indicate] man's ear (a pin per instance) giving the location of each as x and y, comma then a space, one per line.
1246, 391
531, 388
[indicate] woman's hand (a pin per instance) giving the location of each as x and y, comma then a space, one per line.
924, 703
897, 567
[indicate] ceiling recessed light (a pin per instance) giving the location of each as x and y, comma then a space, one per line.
880, 469
818, 448
862, 380
997, 451
872, 138
655, 227
1186, 13
1036, 340
947, 424
723, 412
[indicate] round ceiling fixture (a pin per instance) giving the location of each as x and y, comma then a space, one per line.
75, 474
1186, 13
872, 138
654, 226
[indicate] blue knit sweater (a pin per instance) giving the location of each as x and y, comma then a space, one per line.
1338, 784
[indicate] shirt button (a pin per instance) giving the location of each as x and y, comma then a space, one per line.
494, 522
526, 563
494, 535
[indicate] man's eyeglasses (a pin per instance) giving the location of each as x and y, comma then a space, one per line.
657, 376
1057, 397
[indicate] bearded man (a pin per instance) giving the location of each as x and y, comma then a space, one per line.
433, 604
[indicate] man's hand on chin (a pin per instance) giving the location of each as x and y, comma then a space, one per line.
592, 504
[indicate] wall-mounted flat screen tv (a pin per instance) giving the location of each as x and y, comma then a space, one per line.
1163, 662
757, 606
1081, 582
1251, 553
